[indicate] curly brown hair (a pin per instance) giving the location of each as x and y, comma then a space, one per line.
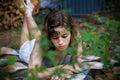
63, 19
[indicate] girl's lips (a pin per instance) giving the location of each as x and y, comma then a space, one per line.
61, 47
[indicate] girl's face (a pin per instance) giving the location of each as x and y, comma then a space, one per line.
61, 39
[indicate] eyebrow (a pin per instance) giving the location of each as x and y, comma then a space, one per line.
62, 32
56, 34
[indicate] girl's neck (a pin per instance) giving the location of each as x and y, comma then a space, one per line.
59, 55
58, 51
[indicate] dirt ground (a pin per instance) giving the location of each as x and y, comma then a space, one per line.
10, 38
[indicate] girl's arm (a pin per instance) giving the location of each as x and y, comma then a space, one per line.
69, 69
49, 71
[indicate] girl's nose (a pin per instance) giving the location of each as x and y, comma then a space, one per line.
60, 41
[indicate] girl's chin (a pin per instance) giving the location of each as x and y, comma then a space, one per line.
61, 49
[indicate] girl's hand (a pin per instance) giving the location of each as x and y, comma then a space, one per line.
55, 78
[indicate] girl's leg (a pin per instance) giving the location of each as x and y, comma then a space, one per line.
29, 28
24, 33
32, 26
36, 56
34, 33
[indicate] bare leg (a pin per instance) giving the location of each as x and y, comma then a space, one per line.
33, 28
36, 56
30, 29
24, 33
34, 33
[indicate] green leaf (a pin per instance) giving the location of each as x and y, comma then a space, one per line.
59, 71
11, 60
91, 27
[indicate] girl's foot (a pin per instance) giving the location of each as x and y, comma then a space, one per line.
29, 7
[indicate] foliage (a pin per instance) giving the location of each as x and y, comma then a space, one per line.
97, 40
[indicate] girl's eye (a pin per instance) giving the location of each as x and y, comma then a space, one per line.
65, 35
